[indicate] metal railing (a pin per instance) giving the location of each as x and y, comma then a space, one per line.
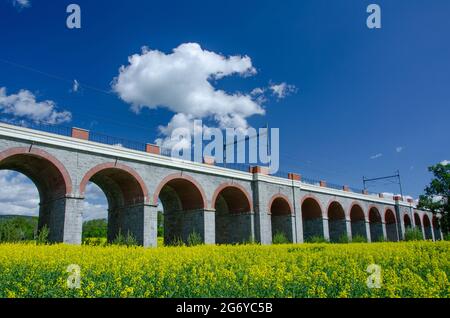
115, 141
167, 152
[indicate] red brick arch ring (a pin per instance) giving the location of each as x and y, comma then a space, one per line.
280, 196
113, 165
231, 185
359, 205
393, 213
310, 196
43, 155
180, 175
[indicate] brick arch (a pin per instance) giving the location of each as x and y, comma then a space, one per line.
393, 213
43, 155
237, 186
280, 196
310, 196
111, 165
334, 201
180, 176
358, 204
373, 206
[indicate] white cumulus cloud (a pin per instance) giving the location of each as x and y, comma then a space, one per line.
399, 149
21, 4
445, 162
181, 81
282, 90
24, 105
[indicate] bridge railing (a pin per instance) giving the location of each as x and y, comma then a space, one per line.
140, 146
115, 141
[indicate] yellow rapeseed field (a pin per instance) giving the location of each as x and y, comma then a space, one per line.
409, 269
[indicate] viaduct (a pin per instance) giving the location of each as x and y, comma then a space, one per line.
222, 205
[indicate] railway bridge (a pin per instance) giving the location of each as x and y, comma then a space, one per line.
222, 205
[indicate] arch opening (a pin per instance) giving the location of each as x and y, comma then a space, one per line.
417, 222
391, 226
312, 220
358, 222
233, 219
52, 186
125, 199
436, 228
376, 226
407, 221
427, 227
183, 208
281, 219
336, 222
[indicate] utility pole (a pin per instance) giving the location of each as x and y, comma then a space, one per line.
396, 176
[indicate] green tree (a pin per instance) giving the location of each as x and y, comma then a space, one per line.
95, 228
437, 194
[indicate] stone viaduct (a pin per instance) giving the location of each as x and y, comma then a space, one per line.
222, 205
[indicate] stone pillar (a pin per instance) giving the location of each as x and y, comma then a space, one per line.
348, 225
262, 219
383, 227
150, 235
200, 221
326, 230
73, 221
400, 222
369, 238
63, 217
298, 222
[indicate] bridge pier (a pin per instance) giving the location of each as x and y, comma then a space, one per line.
180, 225
368, 232
64, 219
326, 229
348, 226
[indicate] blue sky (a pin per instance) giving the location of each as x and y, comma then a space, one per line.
360, 94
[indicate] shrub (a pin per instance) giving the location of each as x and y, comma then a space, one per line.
343, 239
42, 236
280, 238
359, 239
194, 239
413, 234
316, 239
95, 241
128, 240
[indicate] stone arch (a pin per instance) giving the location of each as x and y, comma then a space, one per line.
234, 217
179, 180
407, 221
126, 194
312, 217
376, 225
246, 203
184, 202
358, 221
51, 179
391, 225
427, 227
417, 222
281, 215
336, 221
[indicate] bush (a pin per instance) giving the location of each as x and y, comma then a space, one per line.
316, 239
413, 234
280, 238
447, 237
343, 239
95, 228
359, 239
17, 228
194, 239
128, 240
42, 236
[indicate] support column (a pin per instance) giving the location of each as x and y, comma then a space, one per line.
262, 219
369, 238
348, 225
298, 221
63, 218
326, 229
383, 228
200, 221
